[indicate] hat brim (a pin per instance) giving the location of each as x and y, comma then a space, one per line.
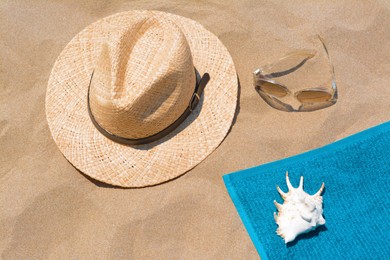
142, 165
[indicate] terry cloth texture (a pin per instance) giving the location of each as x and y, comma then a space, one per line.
356, 173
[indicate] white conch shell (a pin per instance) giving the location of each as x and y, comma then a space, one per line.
299, 213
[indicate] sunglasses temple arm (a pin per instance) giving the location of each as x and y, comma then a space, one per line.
285, 72
334, 86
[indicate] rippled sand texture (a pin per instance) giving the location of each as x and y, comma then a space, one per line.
48, 210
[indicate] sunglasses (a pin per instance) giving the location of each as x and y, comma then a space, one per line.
310, 99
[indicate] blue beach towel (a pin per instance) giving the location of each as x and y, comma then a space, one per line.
356, 173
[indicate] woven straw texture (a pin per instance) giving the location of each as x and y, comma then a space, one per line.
144, 165
145, 81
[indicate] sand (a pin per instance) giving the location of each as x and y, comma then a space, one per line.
48, 210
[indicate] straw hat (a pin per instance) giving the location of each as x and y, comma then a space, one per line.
125, 101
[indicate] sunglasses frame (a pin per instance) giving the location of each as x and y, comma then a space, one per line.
260, 77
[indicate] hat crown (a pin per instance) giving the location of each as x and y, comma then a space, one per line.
144, 78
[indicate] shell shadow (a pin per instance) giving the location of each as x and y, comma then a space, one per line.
311, 234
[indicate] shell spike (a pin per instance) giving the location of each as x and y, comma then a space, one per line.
300, 212
290, 187
275, 217
279, 233
282, 193
318, 193
277, 205
301, 183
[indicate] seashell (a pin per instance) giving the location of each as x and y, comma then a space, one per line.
299, 213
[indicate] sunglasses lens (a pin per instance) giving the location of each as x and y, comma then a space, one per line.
313, 96
272, 89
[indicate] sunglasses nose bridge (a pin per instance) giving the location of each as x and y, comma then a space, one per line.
294, 102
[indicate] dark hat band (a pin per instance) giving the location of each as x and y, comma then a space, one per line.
199, 87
